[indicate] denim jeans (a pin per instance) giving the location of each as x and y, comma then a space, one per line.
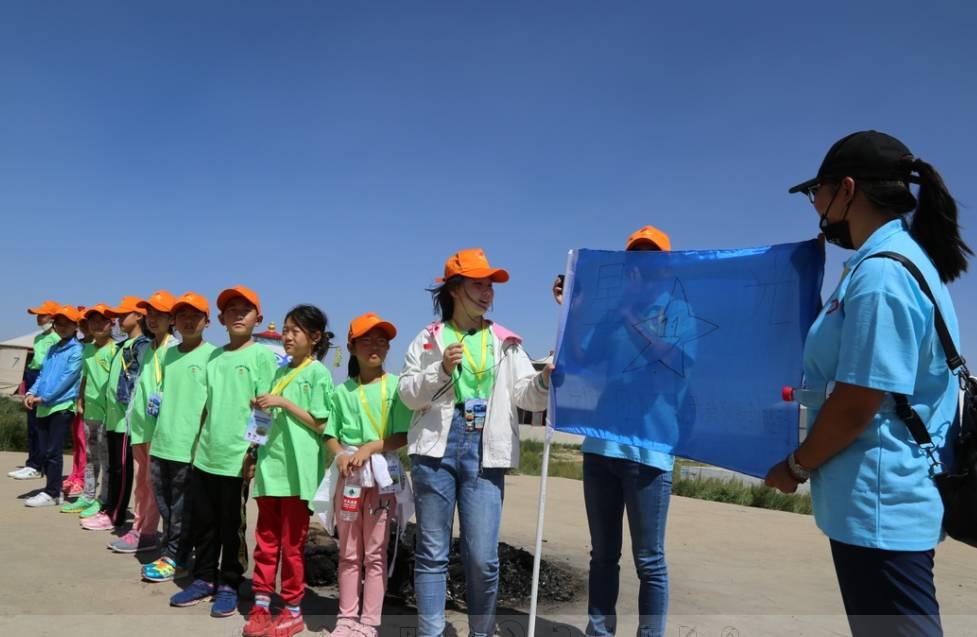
610, 486
440, 484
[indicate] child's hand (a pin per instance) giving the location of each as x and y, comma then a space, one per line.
80, 407
268, 401
248, 466
361, 456
342, 462
30, 401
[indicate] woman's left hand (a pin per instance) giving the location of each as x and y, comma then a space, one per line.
779, 478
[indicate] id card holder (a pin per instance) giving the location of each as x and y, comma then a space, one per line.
258, 426
396, 471
153, 403
475, 410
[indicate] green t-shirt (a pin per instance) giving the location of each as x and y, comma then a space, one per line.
42, 343
150, 381
477, 376
46, 410
234, 378
115, 412
291, 463
95, 370
351, 424
184, 397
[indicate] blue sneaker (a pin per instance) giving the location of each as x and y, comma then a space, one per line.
225, 602
197, 592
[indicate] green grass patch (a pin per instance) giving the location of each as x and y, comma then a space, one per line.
13, 425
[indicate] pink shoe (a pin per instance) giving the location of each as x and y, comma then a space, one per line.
98, 522
344, 628
74, 490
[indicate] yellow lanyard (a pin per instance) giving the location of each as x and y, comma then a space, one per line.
106, 364
156, 366
478, 372
384, 411
283, 383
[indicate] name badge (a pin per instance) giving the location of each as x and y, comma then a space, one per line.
396, 471
475, 410
153, 403
258, 426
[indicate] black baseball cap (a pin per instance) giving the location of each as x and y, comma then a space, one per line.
868, 155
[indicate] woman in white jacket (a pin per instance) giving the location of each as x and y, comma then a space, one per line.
464, 377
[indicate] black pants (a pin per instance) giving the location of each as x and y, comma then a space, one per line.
171, 483
887, 593
219, 523
51, 431
120, 477
35, 454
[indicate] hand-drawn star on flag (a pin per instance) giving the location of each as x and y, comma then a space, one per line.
669, 332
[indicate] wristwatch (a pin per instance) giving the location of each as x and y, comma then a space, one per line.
796, 471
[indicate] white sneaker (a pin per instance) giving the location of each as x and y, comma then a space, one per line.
13, 474
27, 473
42, 499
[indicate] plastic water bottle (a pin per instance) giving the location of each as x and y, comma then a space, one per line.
349, 507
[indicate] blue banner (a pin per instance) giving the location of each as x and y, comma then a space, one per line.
687, 352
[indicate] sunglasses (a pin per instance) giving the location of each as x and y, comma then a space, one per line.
812, 192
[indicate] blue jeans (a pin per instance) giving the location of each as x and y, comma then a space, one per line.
35, 454
610, 485
440, 483
51, 431
887, 592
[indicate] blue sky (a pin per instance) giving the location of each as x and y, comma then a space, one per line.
337, 153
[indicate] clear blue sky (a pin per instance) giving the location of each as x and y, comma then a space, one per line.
337, 153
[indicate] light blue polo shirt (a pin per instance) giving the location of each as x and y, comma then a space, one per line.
877, 331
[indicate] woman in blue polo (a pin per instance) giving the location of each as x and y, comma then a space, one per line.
873, 493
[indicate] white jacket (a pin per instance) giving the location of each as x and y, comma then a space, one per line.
515, 386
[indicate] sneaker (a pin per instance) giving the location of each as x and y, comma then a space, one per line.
27, 473
260, 622
74, 490
77, 506
93, 509
225, 602
344, 628
98, 522
13, 474
365, 631
289, 624
42, 499
133, 542
197, 592
162, 570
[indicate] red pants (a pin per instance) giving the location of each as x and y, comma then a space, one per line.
283, 524
79, 453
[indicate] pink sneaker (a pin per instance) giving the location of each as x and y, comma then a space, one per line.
98, 522
344, 628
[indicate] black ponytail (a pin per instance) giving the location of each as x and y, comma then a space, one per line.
935, 225
444, 303
353, 369
311, 319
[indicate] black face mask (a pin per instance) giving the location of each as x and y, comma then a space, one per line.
837, 232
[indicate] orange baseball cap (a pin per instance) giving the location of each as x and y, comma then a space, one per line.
128, 305
47, 308
652, 235
70, 312
472, 264
194, 300
161, 301
363, 324
100, 308
247, 294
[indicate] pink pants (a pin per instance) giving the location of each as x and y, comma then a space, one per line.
79, 452
363, 542
146, 512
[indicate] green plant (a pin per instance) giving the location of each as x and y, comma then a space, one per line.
13, 425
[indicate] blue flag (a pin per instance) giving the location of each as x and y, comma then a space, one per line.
687, 352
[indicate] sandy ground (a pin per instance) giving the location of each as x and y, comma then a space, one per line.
734, 572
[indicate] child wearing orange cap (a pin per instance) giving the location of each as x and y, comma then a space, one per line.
185, 390
43, 341
367, 426
464, 376
141, 417
237, 373
91, 407
123, 374
289, 467
54, 394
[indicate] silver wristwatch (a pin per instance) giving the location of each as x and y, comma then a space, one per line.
798, 472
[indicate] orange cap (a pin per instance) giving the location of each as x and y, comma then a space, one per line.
128, 305
70, 312
161, 301
194, 300
247, 294
472, 264
363, 324
47, 308
101, 308
652, 235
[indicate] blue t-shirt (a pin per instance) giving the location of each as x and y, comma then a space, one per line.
877, 331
